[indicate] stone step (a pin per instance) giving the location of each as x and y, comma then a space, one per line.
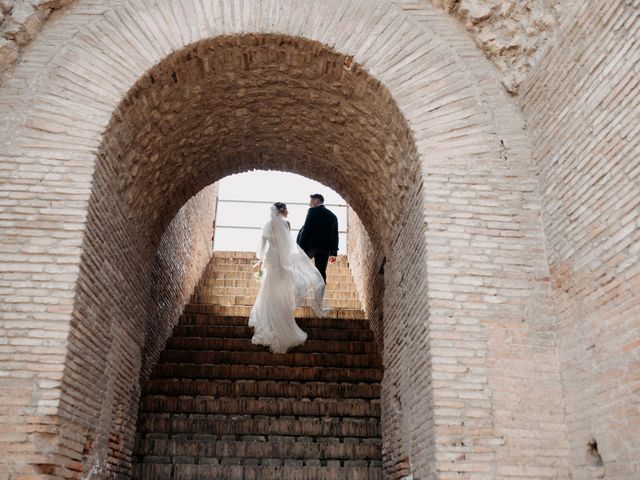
253, 283
207, 291
187, 471
332, 277
271, 406
250, 259
249, 263
267, 372
258, 450
243, 321
245, 311
178, 425
293, 359
261, 388
218, 406
232, 254
209, 331
244, 344
341, 261
251, 300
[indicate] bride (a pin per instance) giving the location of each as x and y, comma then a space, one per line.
290, 281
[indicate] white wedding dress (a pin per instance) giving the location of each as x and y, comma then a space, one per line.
290, 280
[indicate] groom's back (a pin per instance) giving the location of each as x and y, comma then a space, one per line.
320, 229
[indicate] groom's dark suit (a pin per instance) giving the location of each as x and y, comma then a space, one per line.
319, 237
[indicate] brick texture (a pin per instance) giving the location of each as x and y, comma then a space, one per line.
582, 106
509, 248
20, 23
126, 328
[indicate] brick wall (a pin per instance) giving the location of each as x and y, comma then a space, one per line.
581, 104
185, 247
127, 301
366, 264
142, 177
509, 34
386, 276
41, 225
401, 115
495, 366
61, 412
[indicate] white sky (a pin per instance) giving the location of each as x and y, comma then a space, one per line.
268, 187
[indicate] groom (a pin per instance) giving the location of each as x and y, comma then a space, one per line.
318, 237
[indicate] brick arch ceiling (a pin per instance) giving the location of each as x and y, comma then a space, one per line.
96, 72
240, 102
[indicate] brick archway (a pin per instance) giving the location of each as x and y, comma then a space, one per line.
228, 105
403, 114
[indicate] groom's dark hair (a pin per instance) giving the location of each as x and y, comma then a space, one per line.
317, 196
280, 206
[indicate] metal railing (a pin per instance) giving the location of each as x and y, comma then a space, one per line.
229, 226
266, 202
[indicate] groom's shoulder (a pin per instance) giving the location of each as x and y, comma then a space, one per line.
322, 212
329, 213
312, 214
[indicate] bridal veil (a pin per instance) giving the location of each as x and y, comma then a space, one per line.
290, 281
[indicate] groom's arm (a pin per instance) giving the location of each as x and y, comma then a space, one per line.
302, 234
334, 236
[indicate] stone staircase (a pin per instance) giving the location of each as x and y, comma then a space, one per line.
217, 406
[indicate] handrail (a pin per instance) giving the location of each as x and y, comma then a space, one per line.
267, 202
247, 227
219, 227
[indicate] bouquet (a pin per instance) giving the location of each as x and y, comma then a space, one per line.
258, 271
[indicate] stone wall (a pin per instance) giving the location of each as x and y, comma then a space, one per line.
494, 358
385, 279
127, 301
366, 263
20, 22
184, 250
319, 127
582, 106
510, 33
402, 116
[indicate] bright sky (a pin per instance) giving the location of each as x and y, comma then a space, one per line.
257, 191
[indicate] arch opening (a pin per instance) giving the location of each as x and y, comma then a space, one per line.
244, 201
215, 108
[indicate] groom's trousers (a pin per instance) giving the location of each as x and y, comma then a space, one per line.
321, 259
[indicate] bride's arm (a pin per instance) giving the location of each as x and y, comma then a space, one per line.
261, 251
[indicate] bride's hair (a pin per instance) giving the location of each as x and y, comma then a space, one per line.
280, 206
